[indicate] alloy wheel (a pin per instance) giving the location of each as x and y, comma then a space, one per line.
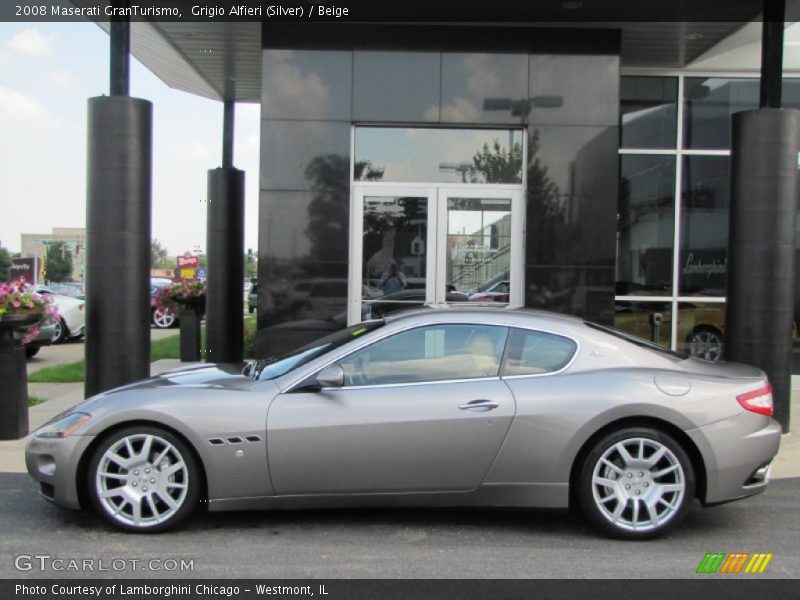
706, 344
143, 480
163, 318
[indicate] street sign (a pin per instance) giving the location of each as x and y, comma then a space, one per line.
201, 273
188, 262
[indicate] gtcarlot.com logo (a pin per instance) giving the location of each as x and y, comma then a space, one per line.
735, 562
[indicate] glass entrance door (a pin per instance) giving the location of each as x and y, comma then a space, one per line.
447, 244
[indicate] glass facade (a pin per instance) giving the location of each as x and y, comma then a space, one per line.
672, 213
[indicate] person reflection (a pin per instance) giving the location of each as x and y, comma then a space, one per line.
392, 280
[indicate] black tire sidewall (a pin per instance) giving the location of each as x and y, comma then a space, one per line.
584, 482
192, 495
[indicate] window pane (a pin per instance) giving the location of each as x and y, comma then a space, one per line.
532, 352
704, 226
709, 103
436, 353
645, 225
701, 330
635, 319
438, 155
649, 112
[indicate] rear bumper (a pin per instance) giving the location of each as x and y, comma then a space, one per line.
737, 452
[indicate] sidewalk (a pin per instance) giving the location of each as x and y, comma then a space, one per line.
62, 396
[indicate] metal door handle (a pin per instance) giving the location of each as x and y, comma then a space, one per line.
479, 405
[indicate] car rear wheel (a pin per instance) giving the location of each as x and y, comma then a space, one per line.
636, 483
163, 318
705, 343
31, 351
144, 479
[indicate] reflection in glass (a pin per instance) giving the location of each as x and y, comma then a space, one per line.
645, 224
396, 86
440, 155
479, 248
651, 321
701, 330
307, 84
704, 226
484, 88
649, 111
395, 254
709, 103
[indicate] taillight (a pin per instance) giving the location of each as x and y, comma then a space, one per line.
758, 401
80, 307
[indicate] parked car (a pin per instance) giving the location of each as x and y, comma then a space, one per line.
402, 300
252, 298
160, 316
432, 407
70, 288
497, 292
72, 312
47, 332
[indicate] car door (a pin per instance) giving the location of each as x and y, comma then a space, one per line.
420, 410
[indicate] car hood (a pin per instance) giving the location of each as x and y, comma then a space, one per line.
721, 369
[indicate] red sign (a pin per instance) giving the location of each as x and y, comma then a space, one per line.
24, 269
188, 262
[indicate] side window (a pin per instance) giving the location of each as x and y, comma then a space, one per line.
533, 352
434, 353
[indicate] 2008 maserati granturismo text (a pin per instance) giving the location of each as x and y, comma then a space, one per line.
435, 407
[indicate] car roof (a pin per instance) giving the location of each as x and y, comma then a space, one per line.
434, 313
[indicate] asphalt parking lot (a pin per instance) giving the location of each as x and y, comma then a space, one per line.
401, 543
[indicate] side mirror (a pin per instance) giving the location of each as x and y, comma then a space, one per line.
331, 376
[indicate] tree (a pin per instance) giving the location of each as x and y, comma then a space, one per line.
58, 263
497, 164
5, 264
159, 257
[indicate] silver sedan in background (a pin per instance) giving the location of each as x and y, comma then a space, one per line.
434, 407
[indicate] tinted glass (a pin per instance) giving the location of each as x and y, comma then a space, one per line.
304, 155
536, 352
395, 254
307, 84
435, 353
636, 319
574, 90
484, 88
645, 224
701, 330
479, 248
649, 112
702, 262
396, 86
438, 155
709, 103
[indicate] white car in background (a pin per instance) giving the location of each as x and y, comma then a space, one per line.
72, 312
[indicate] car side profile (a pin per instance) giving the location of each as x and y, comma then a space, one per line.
433, 407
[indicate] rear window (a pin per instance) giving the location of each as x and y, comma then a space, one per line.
637, 341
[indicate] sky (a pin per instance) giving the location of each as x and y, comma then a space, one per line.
47, 73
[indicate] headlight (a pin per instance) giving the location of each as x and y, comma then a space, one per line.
64, 427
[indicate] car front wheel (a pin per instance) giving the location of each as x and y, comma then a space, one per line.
636, 483
143, 479
61, 331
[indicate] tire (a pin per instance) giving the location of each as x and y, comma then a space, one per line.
163, 318
31, 351
250, 309
705, 342
133, 490
645, 508
62, 332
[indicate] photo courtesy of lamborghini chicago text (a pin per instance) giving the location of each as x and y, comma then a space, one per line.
349, 299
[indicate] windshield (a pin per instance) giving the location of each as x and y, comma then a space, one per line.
642, 343
275, 367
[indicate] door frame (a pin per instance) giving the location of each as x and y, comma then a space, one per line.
436, 242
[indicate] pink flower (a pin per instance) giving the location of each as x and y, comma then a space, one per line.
16, 304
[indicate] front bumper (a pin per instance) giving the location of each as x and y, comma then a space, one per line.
737, 452
53, 463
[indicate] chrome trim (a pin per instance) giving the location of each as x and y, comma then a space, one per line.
410, 383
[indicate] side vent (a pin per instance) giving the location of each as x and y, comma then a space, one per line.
253, 438
235, 440
216, 441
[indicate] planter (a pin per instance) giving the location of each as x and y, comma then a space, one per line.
190, 334
20, 320
13, 378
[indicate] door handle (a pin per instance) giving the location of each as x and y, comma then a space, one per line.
479, 405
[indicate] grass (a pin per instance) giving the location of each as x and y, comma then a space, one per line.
168, 347
34, 400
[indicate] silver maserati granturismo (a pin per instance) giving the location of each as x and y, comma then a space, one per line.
435, 407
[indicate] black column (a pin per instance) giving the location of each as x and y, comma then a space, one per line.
772, 53
761, 254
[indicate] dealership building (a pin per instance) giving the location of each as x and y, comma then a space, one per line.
582, 167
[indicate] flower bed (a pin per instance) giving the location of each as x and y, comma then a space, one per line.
18, 299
